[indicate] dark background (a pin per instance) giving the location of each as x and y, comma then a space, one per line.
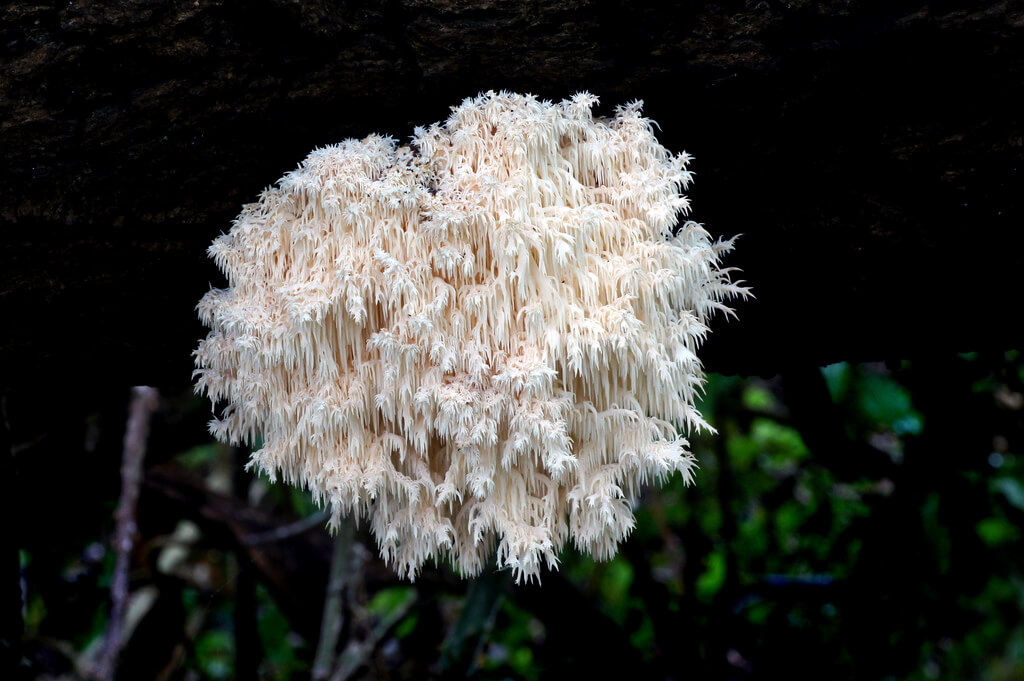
869, 155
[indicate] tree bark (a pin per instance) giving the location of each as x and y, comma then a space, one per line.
868, 152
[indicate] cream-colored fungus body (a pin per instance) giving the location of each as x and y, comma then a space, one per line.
483, 340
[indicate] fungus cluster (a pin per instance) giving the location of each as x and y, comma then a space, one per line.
481, 341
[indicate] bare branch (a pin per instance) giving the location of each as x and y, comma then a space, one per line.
334, 616
357, 652
287, 531
144, 401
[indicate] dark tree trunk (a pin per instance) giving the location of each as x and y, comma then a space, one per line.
868, 152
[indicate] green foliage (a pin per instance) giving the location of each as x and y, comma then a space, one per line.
515, 636
214, 651
903, 565
283, 655
712, 578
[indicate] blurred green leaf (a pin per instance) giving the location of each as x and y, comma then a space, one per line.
479, 608
1012, 490
643, 637
837, 378
214, 652
389, 598
407, 627
776, 439
522, 661
888, 404
200, 456
516, 634
616, 579
758, 398
713, 577
997, 531
281, 648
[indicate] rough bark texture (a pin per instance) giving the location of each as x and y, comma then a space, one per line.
869, 153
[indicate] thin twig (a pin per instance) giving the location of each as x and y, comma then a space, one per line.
357, 653
286, 531
144, 401
334, 616
359, 617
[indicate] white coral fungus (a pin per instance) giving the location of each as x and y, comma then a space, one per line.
484, 339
